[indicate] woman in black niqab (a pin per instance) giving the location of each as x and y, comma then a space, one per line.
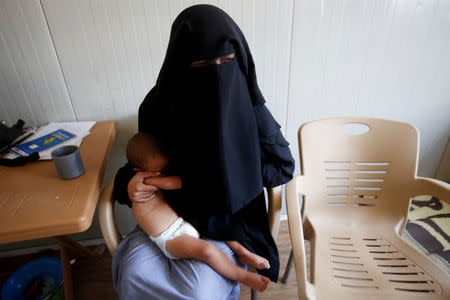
221, 139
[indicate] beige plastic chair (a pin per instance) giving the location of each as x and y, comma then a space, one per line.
356, 191
112, 235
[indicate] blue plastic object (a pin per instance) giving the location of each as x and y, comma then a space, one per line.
48, 269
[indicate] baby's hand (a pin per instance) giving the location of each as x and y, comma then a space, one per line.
138, 191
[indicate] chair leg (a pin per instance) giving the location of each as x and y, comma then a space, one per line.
288, 268
254, 295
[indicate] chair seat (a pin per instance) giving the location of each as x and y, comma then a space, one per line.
374, 266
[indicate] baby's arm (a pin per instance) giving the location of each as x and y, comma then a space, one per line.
165, 183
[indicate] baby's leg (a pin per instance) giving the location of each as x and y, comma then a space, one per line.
189, 247
248, 258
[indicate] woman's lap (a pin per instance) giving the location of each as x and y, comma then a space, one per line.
141, 271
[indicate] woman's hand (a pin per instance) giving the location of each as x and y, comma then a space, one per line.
138, 191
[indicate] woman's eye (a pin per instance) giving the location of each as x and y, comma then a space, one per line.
199, 64
205, 63
226, 59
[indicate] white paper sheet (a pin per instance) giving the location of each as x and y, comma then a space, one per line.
80, 129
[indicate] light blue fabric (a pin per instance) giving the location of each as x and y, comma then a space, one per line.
141, 271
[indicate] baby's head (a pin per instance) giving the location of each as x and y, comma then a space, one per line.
144, 152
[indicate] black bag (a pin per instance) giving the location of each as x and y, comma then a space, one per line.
9, 134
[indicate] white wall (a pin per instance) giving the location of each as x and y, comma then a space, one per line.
96, 60
32, 86
386, 59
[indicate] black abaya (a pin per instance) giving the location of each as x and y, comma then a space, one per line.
220, 137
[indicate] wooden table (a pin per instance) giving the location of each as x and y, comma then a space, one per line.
36, 203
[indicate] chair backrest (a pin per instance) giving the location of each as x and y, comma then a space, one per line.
358, 179
108, 225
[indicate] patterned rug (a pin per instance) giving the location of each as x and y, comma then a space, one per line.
428, 229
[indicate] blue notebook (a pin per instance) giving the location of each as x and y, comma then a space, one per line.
42, 143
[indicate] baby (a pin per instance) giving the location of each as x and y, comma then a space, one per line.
175, 237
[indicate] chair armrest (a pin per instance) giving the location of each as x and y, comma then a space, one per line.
295, 220
433, 187
274, 198
108, 224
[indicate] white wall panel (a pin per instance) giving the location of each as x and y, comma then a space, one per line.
31, 83
386, 59
77, 57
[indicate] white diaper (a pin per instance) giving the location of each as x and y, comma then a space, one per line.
179, 227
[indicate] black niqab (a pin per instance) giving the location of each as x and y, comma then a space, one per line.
211, 128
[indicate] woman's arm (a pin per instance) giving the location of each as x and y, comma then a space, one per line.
276, 159
121, 181
165, 183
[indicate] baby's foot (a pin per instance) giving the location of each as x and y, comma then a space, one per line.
255, 281
252, 259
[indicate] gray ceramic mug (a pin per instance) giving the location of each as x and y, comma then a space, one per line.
68, 162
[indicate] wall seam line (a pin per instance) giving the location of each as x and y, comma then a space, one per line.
289, 69
59, 62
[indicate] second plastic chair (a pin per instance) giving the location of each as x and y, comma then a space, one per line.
356, 192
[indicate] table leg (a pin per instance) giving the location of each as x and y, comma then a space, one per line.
66, 244
67, 273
